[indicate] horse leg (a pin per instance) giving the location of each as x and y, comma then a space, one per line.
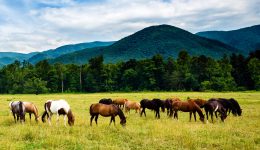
96, 118
194, 113
190, 116
114, 120
14, 117
65, 120
49, 119
211, 115
57, 120
111, 120
30, 116
92, 117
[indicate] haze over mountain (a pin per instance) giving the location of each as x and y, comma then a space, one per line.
163, 39
246, 39
9, 57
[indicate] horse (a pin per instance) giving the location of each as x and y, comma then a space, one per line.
168, 105
59, 107
107, 101
31, 109
188, 106
106, 110
236, 106
154, 104
120, 102
132, 105
18, 110
199, 102
214, 106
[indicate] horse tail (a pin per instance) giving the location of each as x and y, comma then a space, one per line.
44, 113
90, 109
21, 110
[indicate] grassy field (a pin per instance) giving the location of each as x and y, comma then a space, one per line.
140, 133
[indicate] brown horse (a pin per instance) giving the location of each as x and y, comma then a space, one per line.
120, 102
31, 109
189, 106
106, 110
199, 101
132, 105
168, 105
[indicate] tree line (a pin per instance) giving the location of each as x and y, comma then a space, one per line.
186, 73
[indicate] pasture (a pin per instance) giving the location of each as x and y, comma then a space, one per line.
140, 132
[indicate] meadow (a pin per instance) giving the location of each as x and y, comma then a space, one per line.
140, 132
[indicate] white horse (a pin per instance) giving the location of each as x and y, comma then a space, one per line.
59, 107
18, 110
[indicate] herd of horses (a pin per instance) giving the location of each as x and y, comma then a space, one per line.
111, 108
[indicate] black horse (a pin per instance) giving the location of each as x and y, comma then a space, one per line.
236, 106
106, 101
154, 104
168, 106
215, 106
231, 105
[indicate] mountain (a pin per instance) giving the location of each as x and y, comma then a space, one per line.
9, 57
163, 39
49, 54
245, 39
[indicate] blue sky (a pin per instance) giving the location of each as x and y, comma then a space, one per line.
37, 25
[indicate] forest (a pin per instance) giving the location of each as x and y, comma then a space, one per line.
186, 73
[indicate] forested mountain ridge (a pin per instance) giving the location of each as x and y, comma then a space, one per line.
246, 39
162, 39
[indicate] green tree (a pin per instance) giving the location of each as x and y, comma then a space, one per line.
35, 86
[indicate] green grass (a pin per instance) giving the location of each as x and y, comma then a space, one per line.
140, 133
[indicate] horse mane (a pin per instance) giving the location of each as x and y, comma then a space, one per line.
121, 114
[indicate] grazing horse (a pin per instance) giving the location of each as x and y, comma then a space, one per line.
132, 105
18, 110
107, 101
188, 106
106, 110
59, 107
154, 104
168, 105
31, 109
236, 106
120, 102
215, 106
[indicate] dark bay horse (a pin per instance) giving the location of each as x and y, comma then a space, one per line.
59, 107
231, 105
18, 110
107, 101
106, 110
215, 106
168, 105
154, 104
188, 106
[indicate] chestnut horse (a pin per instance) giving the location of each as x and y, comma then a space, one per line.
188, 106
31, 109
18, 110
132, 105
168, 105
106, 110
120, 102
59, 107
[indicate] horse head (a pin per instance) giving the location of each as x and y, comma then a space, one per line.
71, 118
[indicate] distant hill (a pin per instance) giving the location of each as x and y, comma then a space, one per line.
163, 39
64, 50
245, 39
9, 57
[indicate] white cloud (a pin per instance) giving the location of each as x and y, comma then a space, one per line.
61, 22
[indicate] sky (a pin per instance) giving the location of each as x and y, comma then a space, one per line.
38, 25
